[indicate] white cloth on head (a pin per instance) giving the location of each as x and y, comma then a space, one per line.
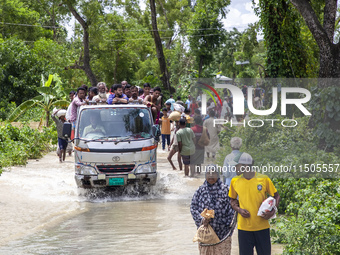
178, 107
61, 113
214, 144
225, 109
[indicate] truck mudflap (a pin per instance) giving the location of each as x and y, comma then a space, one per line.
102, 180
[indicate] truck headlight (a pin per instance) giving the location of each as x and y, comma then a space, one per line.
87, 170
142, 169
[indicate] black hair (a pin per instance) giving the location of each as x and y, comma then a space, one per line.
146, 85
182, 121
119, 86
72, 92
197, 111
198, 120
94, 90
128, 86
168, 103
84, 86
81, 88
164, 109
171, 96
157, 89
186, 110
114, 87
140, 91
179, 98
212, 113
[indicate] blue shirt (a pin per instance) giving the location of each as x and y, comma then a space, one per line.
188, 102
172, 101
112, 96
228, 172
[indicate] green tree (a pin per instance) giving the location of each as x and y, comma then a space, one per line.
49, 98
20, 72
18, 20
206, 32
321, 21
51, 16
286, 54
90, 10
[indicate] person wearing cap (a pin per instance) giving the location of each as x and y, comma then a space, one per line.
186, 145
252, 189
213, 194
228, 169
62, 142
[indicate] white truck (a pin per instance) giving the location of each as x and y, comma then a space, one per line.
114, 145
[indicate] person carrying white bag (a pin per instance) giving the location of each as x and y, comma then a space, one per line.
252, 189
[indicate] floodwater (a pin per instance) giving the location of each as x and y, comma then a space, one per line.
43, 212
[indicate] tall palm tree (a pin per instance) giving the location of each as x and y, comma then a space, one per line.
49, 98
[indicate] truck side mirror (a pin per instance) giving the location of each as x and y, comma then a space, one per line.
67, 128
156, 132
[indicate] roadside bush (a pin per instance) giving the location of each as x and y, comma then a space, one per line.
18, 145
310, 205
279, 146
313, 222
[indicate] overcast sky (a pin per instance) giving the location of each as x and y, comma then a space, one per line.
240, 14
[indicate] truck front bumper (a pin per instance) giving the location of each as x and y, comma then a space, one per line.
103, 180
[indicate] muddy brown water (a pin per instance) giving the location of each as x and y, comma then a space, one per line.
43, 212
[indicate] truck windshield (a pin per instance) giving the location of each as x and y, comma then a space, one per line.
114, 123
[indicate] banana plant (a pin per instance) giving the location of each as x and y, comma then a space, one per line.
50, 97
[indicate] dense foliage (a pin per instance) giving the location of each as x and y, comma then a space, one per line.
19, 144
311, 224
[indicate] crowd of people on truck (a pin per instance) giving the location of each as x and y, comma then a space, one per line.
168, 115
194, 137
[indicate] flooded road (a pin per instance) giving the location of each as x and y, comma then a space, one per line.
42, 212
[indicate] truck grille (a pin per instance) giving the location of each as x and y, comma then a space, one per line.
115, 168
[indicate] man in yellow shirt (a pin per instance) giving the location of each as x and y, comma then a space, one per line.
252, 189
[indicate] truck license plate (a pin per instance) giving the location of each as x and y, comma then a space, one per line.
116, 181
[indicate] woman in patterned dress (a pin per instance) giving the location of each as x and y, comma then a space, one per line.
213, 194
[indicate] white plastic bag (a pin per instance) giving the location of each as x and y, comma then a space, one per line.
178, 107
266, 206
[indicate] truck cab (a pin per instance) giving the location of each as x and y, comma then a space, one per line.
115, 145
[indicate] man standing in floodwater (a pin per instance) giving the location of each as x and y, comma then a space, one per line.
252, 189
228, 173
186, 145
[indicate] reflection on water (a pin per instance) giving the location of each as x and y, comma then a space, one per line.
126, 227
44, 213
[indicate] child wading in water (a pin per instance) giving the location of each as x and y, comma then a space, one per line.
62, 142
